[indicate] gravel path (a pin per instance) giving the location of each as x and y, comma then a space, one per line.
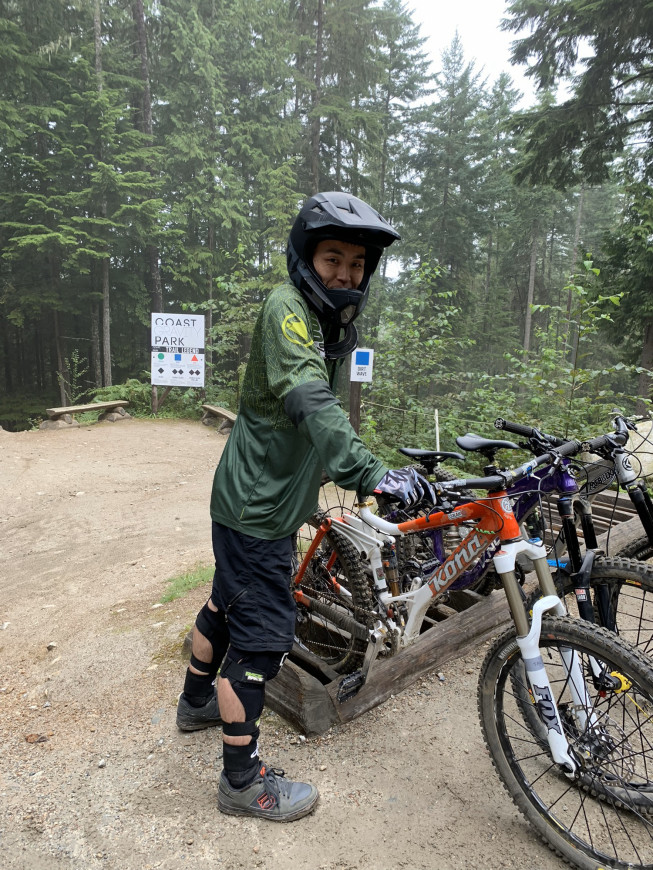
94, 774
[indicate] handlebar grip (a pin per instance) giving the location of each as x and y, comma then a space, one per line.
594, 445
530, 432
568, 448
495, 481
516, 428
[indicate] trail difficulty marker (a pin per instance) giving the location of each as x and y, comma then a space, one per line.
178, 350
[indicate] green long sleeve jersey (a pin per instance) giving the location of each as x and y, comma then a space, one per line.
290, 426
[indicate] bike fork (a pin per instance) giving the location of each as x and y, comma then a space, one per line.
528, 640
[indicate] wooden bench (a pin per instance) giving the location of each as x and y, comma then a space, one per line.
110, 411
228, 418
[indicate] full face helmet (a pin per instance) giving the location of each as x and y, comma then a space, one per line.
336, 215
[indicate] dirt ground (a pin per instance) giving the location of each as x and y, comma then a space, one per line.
93, 772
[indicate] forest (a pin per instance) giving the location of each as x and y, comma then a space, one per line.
153, 154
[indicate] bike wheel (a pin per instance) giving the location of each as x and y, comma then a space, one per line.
333, 625
641, 549
603, 817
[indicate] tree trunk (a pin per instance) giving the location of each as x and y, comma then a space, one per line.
106, 321
488, 266
644, 385
151, 251
96, 366
574, 255
62, 370
104, 270
9, 384
385, 147
531, 291
97, 34
317, 99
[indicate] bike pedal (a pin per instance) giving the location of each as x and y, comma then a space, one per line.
350, 685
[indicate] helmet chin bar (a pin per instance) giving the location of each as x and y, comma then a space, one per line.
348, 313
337, 305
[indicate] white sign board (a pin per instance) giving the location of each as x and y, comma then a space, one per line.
178, 350
362, 360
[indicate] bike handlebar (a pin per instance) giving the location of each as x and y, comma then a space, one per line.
506, 478
614, 439
611, 440
528, 432
491, 483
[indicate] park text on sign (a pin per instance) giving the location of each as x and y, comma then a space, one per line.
362, 360
178, 350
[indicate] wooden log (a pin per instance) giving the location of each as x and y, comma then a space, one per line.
301, 699
621, 534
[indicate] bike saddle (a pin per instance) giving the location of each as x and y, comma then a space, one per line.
434, 456
483, 445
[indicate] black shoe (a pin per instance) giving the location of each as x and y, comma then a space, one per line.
191, 718
271, 796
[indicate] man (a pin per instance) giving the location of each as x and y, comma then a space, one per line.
290, 427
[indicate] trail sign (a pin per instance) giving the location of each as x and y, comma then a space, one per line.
362, 362
178, 350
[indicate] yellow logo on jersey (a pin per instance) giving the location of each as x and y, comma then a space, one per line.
294, 328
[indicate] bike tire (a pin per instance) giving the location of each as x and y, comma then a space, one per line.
640, 549
322, 632
604, 817
630, 586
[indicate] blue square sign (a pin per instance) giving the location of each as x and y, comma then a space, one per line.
362, 361
177, 357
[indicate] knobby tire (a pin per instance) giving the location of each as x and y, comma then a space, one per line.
603, 818
324, 633
641, 549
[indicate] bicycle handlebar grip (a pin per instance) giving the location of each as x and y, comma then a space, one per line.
495, 481
568, 448
593, 445
528, 432
516, 428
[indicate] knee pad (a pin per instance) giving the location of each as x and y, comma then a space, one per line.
213, 625
247, 673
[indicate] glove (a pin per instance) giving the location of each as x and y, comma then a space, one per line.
405, 485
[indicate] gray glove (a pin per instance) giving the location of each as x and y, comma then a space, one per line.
407, 486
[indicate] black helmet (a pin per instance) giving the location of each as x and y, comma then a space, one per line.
336, 215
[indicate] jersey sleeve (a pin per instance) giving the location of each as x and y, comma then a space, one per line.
297, 375
344, 457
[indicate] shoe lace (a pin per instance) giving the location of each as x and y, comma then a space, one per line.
275, 783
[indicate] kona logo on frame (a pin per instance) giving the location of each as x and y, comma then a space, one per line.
459, 560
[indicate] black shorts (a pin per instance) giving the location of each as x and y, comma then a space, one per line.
251, 585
